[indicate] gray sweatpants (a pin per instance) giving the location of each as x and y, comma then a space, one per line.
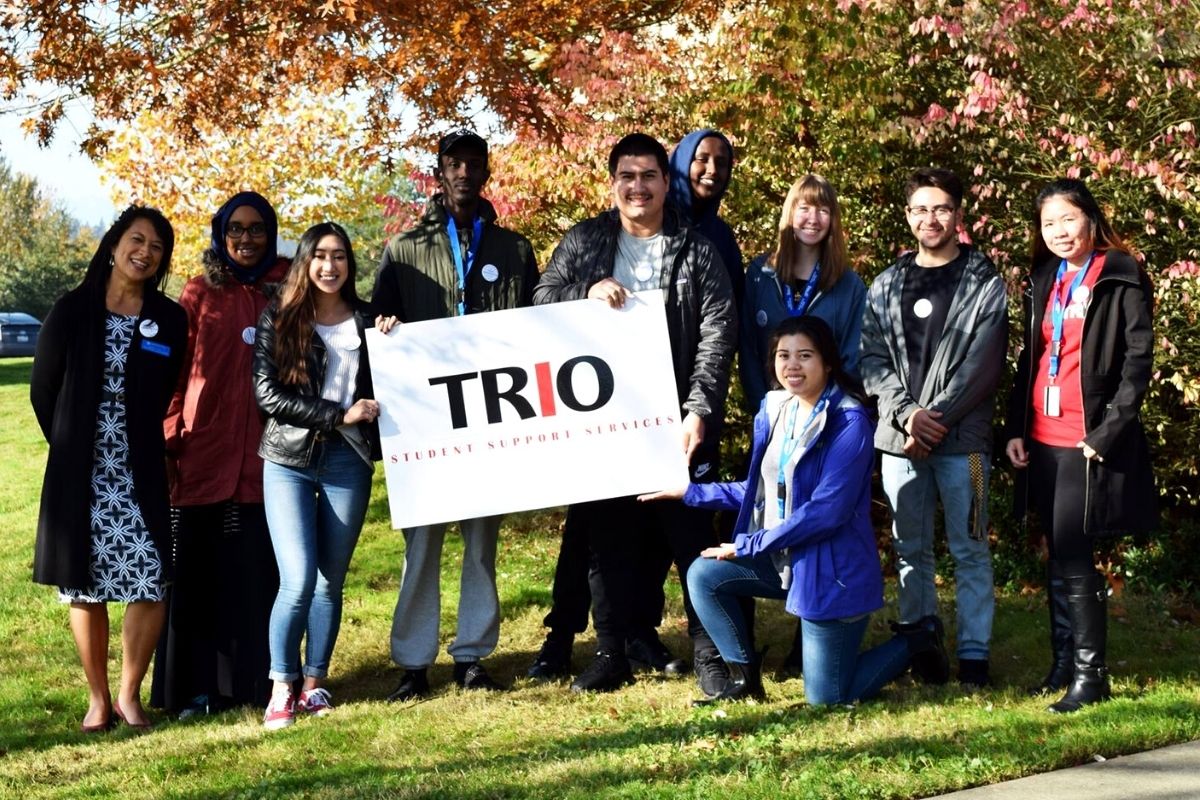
418, 607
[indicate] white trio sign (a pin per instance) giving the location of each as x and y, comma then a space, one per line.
533, 407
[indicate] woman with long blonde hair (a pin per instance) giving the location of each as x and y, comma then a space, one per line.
808, 272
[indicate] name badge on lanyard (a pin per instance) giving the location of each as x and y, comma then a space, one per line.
463, 269
791, 440
1052, 396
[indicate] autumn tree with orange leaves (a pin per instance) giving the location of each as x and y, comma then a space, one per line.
304, 157
227, 63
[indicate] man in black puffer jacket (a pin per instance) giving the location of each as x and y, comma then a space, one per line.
640, 245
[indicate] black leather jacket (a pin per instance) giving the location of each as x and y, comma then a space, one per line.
297, 416
701, 319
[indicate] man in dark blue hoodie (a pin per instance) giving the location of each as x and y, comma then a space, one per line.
700, 168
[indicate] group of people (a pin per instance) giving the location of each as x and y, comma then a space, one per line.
229, 440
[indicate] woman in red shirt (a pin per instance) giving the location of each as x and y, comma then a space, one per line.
1073, 422
213, 651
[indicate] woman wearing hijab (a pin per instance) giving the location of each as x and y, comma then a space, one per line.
107, 360
213, 653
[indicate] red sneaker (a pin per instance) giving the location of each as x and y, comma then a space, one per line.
281, 712
317, 702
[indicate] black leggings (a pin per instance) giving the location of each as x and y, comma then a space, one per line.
1058, 478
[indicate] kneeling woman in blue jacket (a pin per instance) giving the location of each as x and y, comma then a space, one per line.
804, 529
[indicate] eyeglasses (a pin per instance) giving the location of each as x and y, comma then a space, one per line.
941, 212
236, 230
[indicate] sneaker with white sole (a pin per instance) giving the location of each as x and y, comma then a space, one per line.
317, 702
281, 712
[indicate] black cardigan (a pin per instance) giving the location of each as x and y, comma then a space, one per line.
68, 371
1115, 366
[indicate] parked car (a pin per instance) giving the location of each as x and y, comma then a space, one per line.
18, 333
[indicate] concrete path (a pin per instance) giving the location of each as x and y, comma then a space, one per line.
1171, 773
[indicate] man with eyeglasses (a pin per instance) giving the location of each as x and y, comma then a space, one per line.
933, 345
456, 261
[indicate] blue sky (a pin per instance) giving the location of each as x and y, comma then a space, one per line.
61, 170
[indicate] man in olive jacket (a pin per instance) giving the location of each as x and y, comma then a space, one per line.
641, 245
456, 261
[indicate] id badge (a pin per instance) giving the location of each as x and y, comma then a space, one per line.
1051, 405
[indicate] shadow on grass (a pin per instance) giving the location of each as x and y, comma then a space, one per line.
525, 596
15, 371
717, 749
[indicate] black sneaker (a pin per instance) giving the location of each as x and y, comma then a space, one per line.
553, 661
973, 673
472, 675
711, 673
648, 652
413, 685
608, 672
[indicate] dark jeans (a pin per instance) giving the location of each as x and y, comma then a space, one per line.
1057, 479
572, 596
626, 540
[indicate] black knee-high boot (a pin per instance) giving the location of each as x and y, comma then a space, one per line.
1087, 600
1062, 650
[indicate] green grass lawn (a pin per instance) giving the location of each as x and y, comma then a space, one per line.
541, 741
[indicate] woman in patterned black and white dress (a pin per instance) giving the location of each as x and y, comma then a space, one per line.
107, 361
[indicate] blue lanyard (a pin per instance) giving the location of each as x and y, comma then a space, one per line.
797, 307
791, 441
1058, 311
456, 250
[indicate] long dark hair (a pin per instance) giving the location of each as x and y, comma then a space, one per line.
1076, 193
297, 306
821, 335
101, 265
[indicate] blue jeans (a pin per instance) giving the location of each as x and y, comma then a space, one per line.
834, 670
315, 514
715, 587
913, 488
